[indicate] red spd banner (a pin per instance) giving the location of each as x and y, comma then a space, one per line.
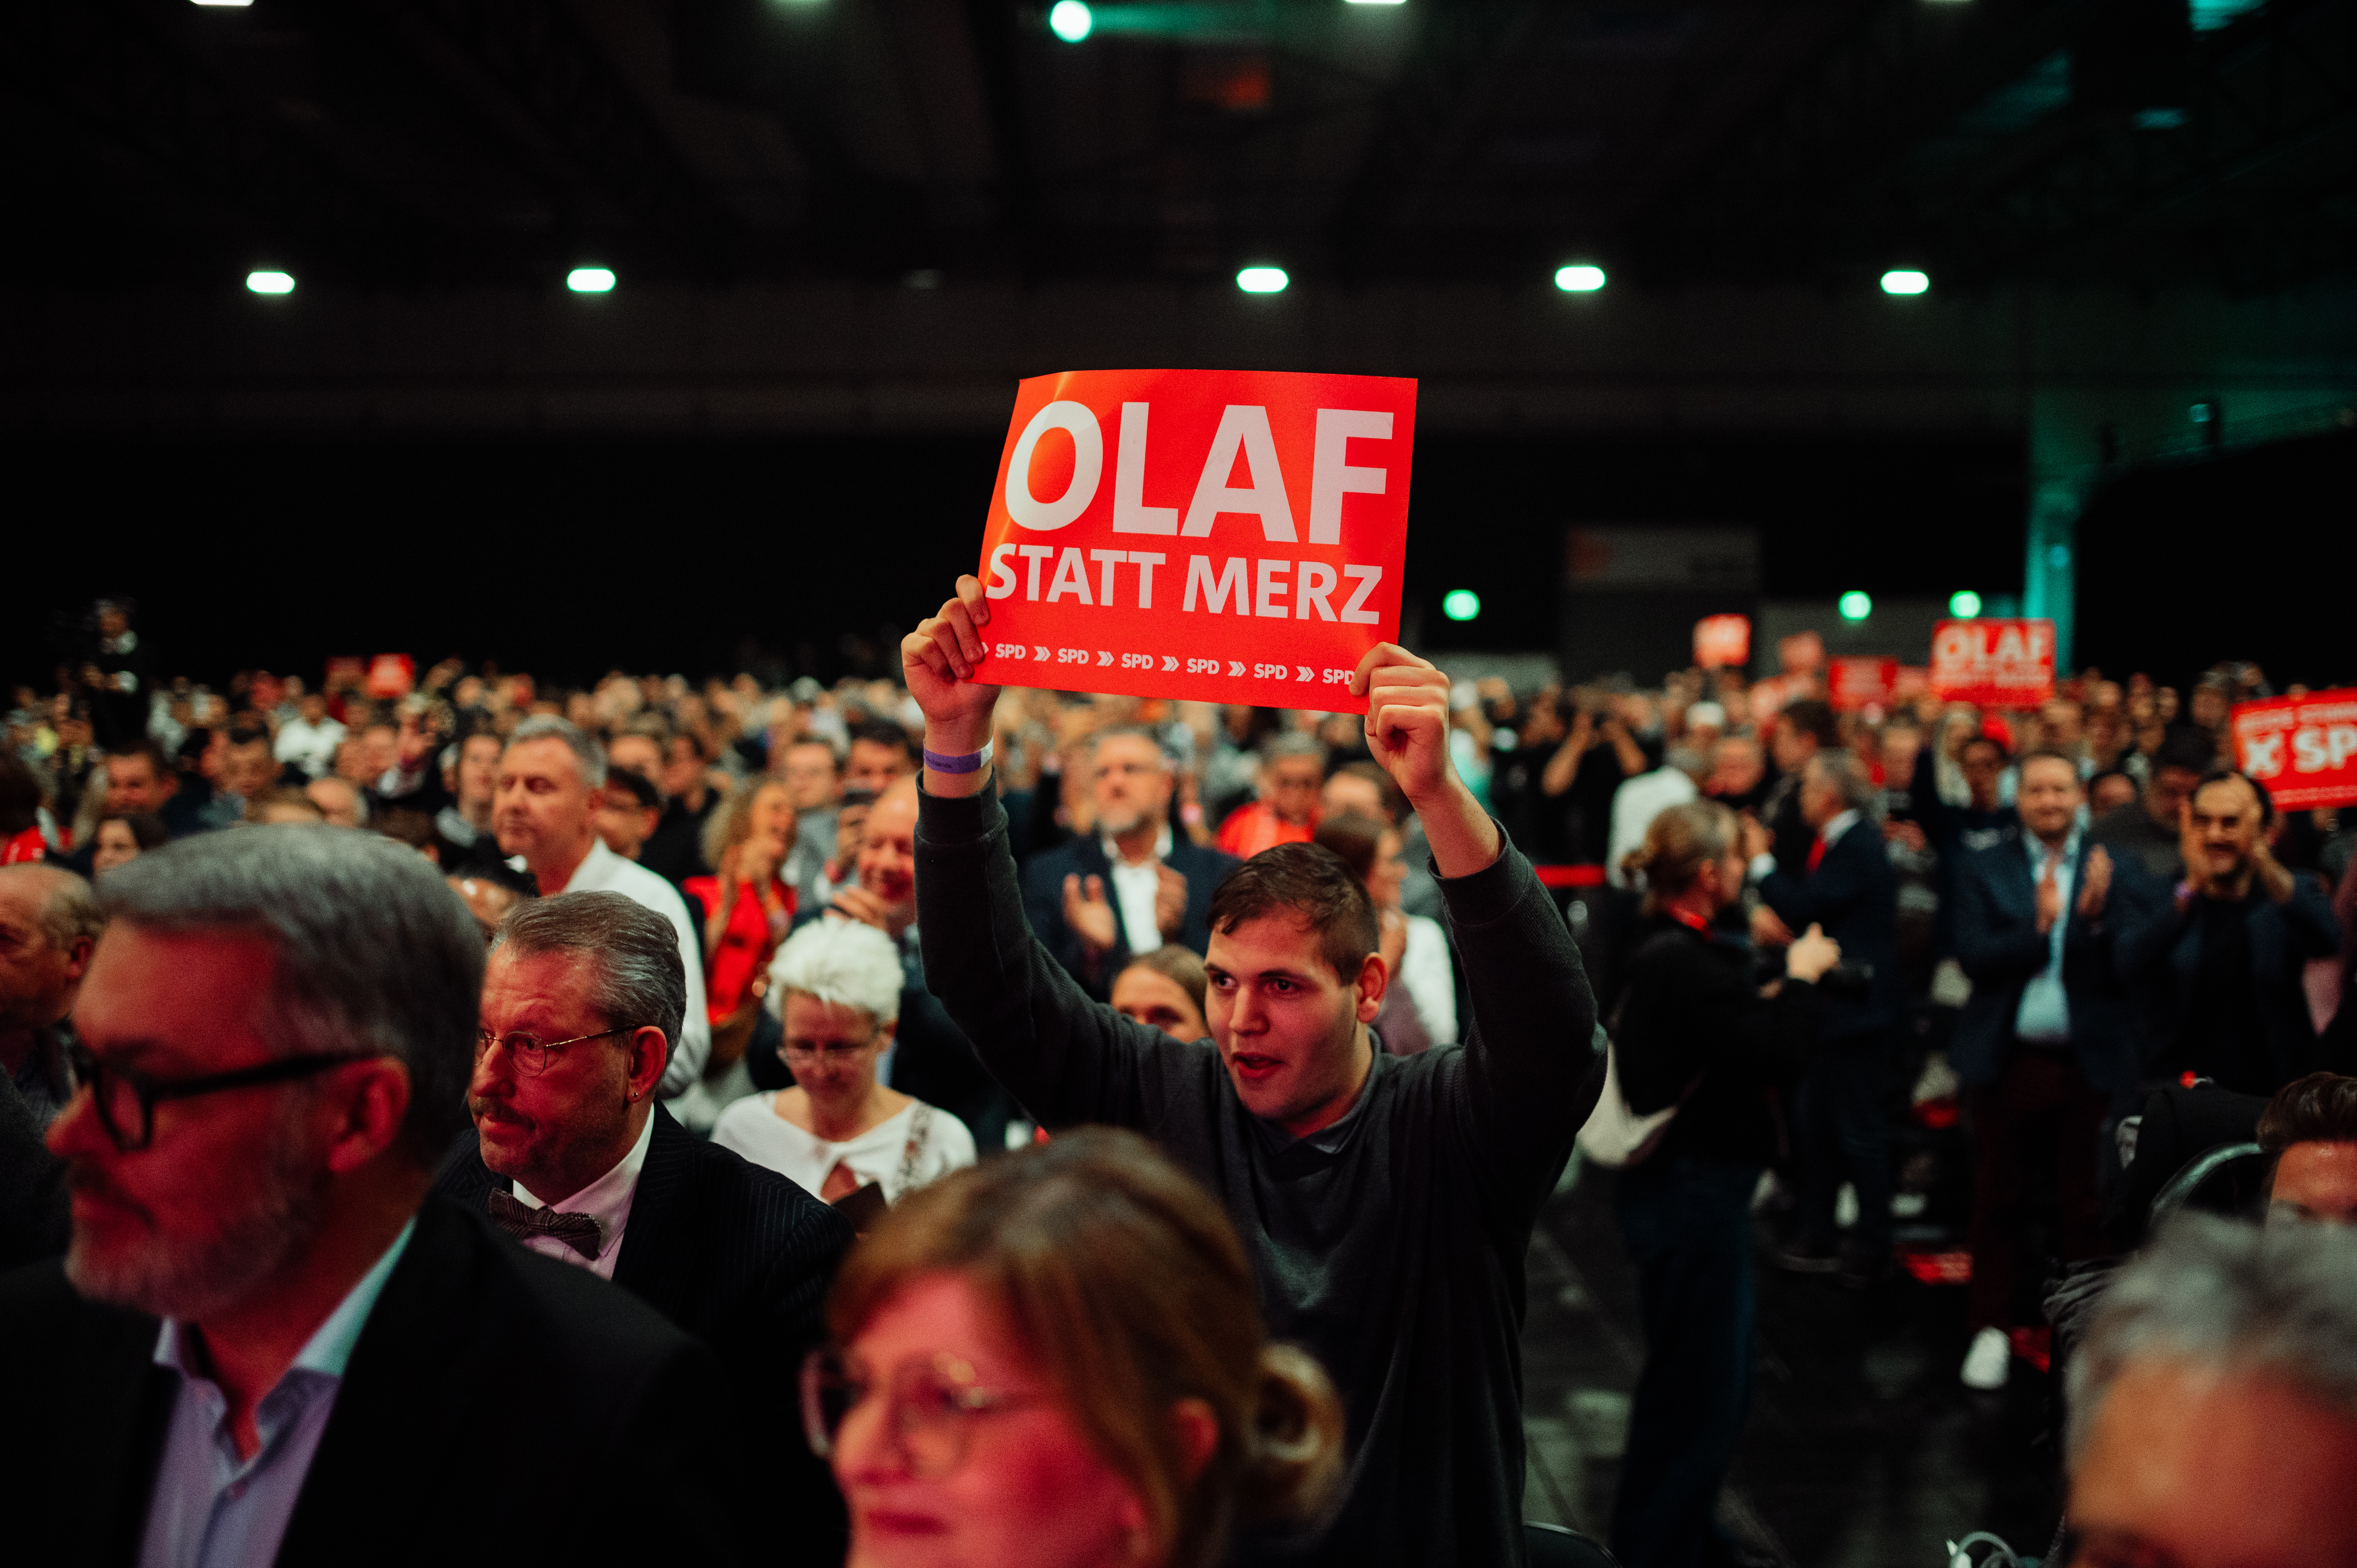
1860, 682
2304, 750
1993, 663
1219, 536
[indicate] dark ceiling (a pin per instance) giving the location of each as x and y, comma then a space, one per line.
469, 142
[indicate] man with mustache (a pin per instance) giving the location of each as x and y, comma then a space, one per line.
266, 1343
1386, 1202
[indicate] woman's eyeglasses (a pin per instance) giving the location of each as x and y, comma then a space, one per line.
931, 1404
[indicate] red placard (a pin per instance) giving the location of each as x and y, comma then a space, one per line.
1222, 536
1856, 682
392, 675
1723, 642
2304, 750
1993, 663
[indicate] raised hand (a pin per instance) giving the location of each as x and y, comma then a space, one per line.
2095, 885
1812, 955
1407, 732
1090, 914
2049, 895
939, 661
1170, 902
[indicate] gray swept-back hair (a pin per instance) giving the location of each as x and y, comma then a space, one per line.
637, 978
374, 951
586, 749
1847, 777
2279, 1300
843, 961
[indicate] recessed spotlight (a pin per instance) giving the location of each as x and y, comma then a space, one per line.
234, 4
1070, 20
1905, 280
270, 282
1262, 280
1579, 279
590, 280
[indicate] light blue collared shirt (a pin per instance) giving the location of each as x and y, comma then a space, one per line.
2044, 1014
213, 1509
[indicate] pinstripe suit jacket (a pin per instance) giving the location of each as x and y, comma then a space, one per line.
741, 1257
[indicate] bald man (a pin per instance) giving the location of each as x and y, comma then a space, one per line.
49, 920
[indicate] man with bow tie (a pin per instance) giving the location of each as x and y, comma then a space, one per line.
572, 1155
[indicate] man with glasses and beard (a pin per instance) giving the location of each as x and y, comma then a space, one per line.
266, 1343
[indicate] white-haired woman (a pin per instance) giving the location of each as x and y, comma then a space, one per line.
835, 986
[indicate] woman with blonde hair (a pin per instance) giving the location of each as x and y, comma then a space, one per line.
1694, 1034
1057, 1359
747, 907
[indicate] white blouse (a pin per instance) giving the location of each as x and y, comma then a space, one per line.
753, 1128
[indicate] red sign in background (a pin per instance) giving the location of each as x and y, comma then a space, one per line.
2304, 750
1223, 536
1993, 663
1856, 682
1723, 642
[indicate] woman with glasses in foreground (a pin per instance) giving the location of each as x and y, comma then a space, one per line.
1057, 1359
837, 990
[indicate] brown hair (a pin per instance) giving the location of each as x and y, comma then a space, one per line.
731, 822
1394, 798
1356, 837
1680, 843
1313, 884
2318, 1109
1123, 1282
2048, 754
1176, 963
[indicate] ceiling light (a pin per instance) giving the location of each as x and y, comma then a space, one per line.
1374, 2
237, 3
590, 280
1262, 280
1579, 279
1964, 604
268, 282
1855, 605
1459, 604
1070, 20
1905, 280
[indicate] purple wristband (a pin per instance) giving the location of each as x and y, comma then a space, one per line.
971, 762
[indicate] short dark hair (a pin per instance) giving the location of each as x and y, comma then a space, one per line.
1394, 798
1316, 887
1354, 836
147, 829
2187, 746
1813, 718
2223, 775
2049, 754
246, 733
1988, 740
140, 745
2318, 1109
636, 785
878, 732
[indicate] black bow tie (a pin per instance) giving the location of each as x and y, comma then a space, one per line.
579, 1232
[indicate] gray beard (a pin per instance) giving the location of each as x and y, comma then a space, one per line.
194, 1278
1121, 827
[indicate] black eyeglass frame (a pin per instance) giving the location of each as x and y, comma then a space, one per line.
148, 1091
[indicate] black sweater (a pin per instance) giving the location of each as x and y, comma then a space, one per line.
1691, 1012
1390, 1245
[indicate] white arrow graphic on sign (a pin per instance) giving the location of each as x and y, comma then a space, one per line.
1306, 672
1236, 668
1169, 663
1104, 658
1040, 654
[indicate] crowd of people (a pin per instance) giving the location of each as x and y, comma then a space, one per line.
990, 1124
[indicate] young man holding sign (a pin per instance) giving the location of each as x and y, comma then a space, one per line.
1386, 1202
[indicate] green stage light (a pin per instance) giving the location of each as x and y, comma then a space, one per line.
1460, 604
1855, 605
1964, 604
1070, 20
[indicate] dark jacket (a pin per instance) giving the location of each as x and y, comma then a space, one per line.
1853, 895
1084, 856
2001, 951
741, 1257
1390, 1245
1694, 1027
32, 1185
2160, 956
487, 1382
